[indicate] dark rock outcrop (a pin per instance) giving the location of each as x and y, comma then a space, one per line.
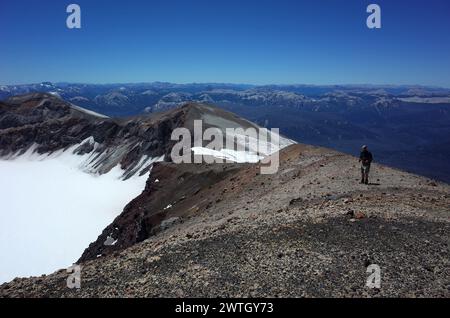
49, 124
172, 191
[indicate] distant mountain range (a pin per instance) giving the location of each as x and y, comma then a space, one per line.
131, 99
407, 127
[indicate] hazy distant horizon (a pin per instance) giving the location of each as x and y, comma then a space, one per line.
230, 83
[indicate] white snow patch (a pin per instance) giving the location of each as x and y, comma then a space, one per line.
87, 111
248, 150
55, 94
51, 210
426, 100
228, 154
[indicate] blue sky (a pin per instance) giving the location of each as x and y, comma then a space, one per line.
245, 41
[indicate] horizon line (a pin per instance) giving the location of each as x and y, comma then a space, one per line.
233, 83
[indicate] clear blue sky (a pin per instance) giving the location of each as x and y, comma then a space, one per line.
245, 41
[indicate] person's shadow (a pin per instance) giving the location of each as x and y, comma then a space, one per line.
374, 184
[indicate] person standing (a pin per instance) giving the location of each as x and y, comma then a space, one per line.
366, 159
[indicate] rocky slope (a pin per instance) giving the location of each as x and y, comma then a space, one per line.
44, 124
309, 230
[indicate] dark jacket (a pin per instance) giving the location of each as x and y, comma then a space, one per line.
366, 157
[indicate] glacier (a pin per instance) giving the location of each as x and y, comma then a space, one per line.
52, 209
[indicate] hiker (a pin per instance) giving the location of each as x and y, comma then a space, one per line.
366, 159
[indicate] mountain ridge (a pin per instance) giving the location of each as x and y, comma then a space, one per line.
310, 230
226, 230
401, 124
49, 124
